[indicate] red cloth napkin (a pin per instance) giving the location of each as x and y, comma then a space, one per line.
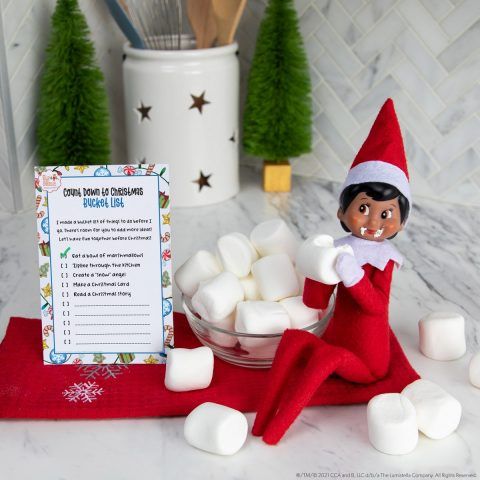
29, 389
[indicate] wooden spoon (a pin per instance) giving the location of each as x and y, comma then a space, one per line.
203, 23
227, 15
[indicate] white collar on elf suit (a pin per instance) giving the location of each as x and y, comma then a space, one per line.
376, 254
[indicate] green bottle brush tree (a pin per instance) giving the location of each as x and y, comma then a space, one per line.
277, 119
73, 123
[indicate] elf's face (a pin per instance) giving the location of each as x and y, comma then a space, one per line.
372, 219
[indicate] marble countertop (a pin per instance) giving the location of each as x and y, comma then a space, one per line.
441, 271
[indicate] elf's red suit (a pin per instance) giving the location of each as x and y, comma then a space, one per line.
360, 319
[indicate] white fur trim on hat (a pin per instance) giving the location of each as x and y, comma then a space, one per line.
379, 171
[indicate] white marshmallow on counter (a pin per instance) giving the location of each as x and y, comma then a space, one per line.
392, 424
250, 288
438, 413
236, 253
224, 339
260, 317
274, 236
317, 256
300, 315
217, 298
189, 369
276, 277
216, 429
474, 370
201, 266
442, 335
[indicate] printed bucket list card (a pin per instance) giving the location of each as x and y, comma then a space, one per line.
105, 263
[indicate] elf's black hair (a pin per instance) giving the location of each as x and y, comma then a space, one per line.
378, 191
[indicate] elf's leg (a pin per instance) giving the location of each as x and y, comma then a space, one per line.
325, 360
295, 347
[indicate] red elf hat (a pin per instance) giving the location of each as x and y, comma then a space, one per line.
382, 156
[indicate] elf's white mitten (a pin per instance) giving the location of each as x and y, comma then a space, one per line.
348, 269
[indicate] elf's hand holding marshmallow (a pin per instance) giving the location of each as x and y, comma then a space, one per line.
317, 256
348, 269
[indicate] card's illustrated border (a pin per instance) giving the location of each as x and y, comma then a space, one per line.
49, 179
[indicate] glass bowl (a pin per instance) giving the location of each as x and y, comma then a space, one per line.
245, 349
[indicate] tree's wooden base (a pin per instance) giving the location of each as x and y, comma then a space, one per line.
277, 177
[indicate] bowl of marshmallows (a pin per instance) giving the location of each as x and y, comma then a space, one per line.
240, 298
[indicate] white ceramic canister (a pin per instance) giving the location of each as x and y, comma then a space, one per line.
181, 108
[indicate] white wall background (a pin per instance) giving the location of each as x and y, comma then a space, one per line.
10, 192
423, 53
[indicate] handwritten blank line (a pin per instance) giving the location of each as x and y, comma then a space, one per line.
114, 305
111, 324
113, 343
114, 333
114, 315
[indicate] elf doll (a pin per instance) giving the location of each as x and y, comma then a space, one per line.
374, 206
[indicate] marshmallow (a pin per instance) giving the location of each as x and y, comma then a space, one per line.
301, 281
276, 277
274, 236
438, 413
189, 369
216, 429
392, 424
317, 256
260, 317
216, 298
224, 339
236, 253
250, 288
201, 266
442, 335
300, 315
474, 370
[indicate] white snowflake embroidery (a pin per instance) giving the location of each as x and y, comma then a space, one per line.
84, 392
91, 372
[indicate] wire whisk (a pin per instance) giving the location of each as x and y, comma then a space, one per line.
159, 22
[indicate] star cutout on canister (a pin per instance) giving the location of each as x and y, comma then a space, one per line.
202, 181
143, 112
198, 102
